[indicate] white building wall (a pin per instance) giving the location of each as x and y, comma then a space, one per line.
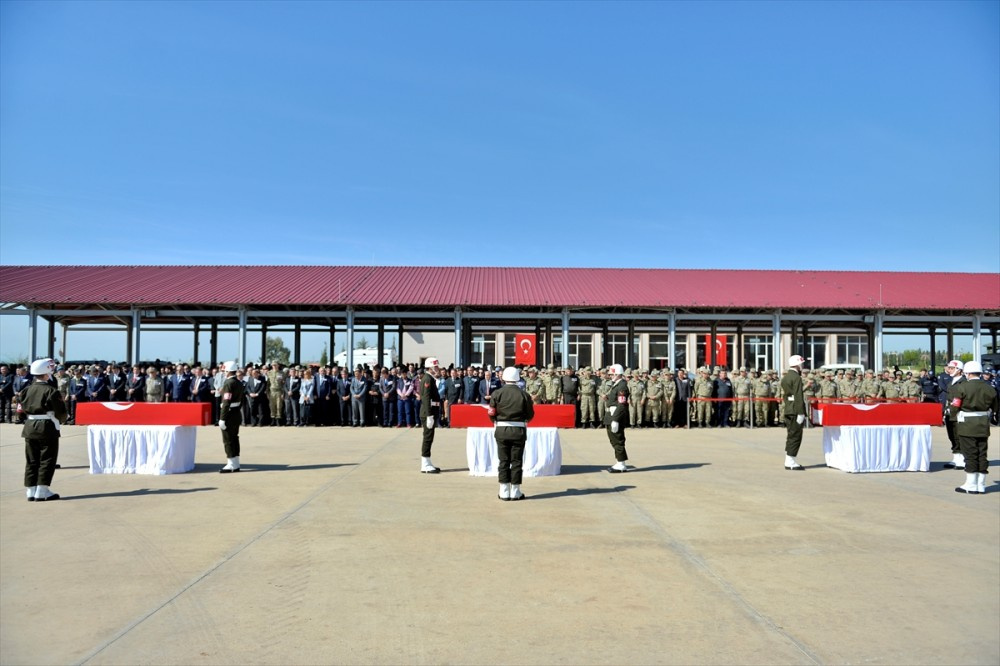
421, 344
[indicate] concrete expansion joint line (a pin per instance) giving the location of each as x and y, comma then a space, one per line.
232, 554
700, 564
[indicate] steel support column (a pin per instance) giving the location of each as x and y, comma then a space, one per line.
243, 337
779, 365
458, 337
350, 339
135, 337
977, 336
565, 337
32, 334
672, 340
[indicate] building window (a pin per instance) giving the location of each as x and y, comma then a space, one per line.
853, 349
680, 351
758, 353
509, 350
813, 347
659, 352
484, 350
618, 348
581, 350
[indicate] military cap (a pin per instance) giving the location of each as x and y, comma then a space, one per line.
654, 373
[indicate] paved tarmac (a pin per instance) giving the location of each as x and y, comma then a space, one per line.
331, 548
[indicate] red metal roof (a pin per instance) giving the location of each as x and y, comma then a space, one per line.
423, 286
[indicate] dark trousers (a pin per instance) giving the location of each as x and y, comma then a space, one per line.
319, 411
344, 410
974, 450
949, 427
510, 453
617, 440
793, 432
6, 409
307, 410
40, 461
259, 410
425, 447
388, 412
724, 409
231, 436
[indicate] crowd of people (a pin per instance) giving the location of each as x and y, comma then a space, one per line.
300, 396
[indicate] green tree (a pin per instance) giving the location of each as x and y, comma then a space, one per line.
324, 357
362, 343
277, 351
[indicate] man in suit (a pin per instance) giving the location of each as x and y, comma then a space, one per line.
135, 385
6, 395
201, 386
180, 385
97, 386
343, 396
116, 384
324, 388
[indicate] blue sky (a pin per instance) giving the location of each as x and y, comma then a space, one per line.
852, 135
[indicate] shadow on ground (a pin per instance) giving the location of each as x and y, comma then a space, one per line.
589, 469
577, 492
206, 468
138, 493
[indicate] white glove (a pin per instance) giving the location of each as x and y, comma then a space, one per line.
800, 419
430, 421
614, 426
222, 424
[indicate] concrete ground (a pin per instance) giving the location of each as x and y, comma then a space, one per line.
331, 548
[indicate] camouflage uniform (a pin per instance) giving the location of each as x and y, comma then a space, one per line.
828, 391
774, 408
761, 389
588, 398
741, 387
637, 398
911, 389
535, 387
654, 399
869, 388
890, 389
809, 388
603, 386
703, 389
276, 395
553, 385
669, 396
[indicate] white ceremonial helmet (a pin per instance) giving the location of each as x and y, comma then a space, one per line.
43, 366
972, 367
796, 360
957, 365
230, 366
511, 375
616, 370
431, 363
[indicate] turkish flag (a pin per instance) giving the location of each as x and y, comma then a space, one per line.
721, 359
525, 343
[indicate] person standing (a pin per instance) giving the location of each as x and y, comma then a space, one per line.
292, 394
45, 412
972, 402
453, 389
136, 385
616, 418
276, 394
725, 393
307, 398
97, 386
344, 398
359, 395
952, 378
430, 401
794, 412
6, 395
588, 398
404, 399
569, 389
510, 410
230, 417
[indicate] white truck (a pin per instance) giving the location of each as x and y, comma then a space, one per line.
367, 356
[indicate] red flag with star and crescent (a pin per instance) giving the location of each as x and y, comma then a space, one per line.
720, 350
525, 343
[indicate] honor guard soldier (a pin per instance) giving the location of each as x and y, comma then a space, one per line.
45, 412
795, 410
954, 378
510, 410
973, 401
430, 401
588, 398
616, 417
230, 416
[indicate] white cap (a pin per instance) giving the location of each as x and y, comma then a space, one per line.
954, 363
230, 366
431, 363
796, 360
973, 367
616, 369
43, 366
511, 375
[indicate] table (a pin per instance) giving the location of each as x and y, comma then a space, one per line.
116, 449
542, 452
884, 448
546, 416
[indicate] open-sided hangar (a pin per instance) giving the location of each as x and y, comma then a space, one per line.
583, 316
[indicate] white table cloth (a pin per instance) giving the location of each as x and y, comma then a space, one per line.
542, 452
141, 449
890, 448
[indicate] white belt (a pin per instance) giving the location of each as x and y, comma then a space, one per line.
966, 415
511, 424
49, 416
